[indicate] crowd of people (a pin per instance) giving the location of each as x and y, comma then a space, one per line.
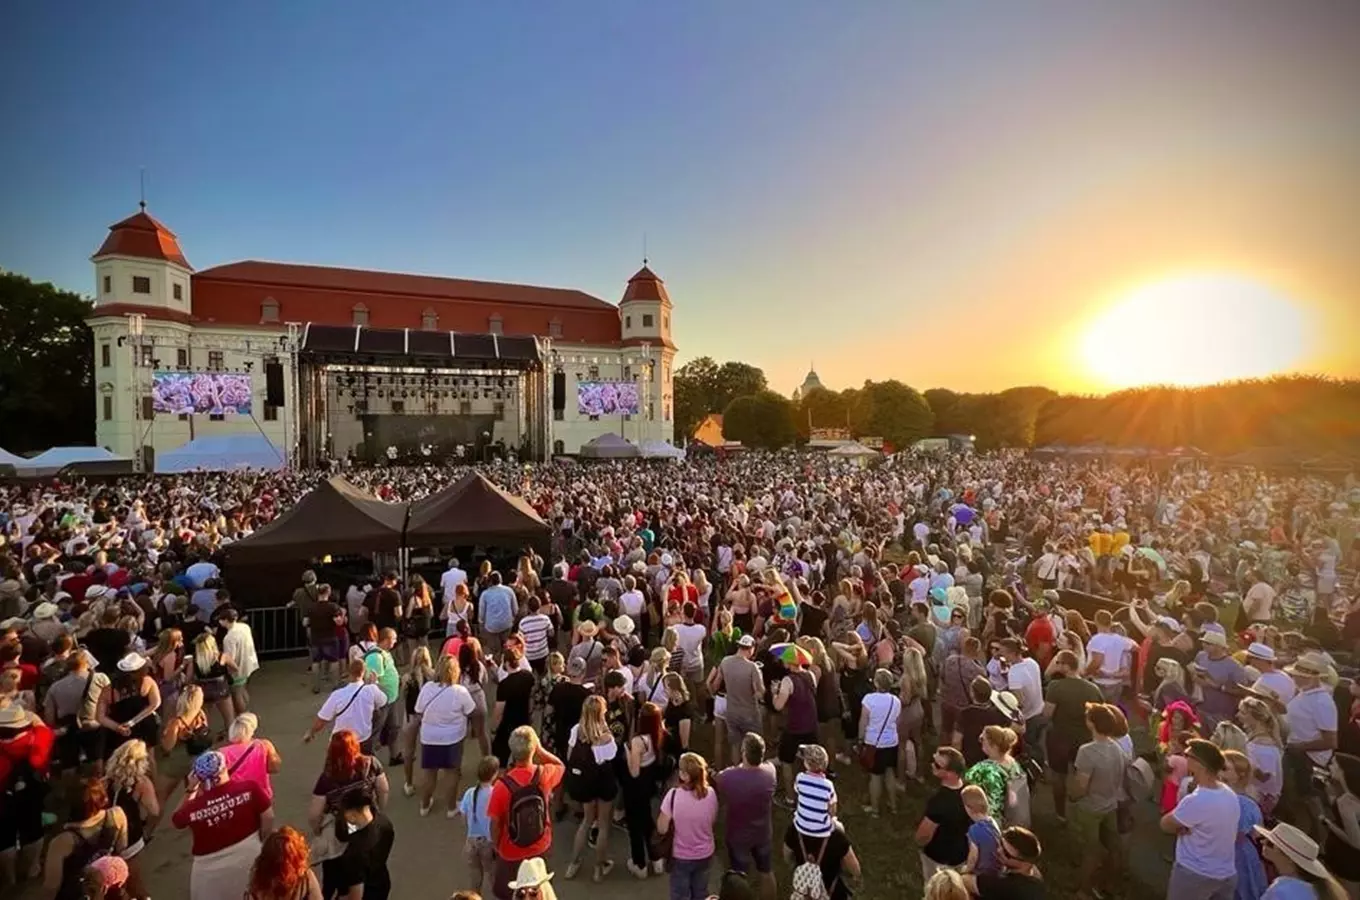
703, 644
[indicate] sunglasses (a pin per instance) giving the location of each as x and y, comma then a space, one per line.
525, 893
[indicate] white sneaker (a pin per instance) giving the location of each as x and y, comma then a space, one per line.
637, 871
425, 810
408, 789
451, 814
658, 867
572, 870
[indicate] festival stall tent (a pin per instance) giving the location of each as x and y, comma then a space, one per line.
57, 458
661, 450
853, 451
609, 446
472, 510
223, 453
334, 518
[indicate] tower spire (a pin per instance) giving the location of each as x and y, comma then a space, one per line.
644, 248
142, 201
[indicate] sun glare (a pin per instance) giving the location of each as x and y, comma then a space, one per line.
1197, 329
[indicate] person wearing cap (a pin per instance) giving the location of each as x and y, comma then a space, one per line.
1312, 720
738, 680
25, 761
1222, 679
1205, 825
1271, 685
227, 820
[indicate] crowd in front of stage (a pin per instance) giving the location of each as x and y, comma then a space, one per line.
711, 648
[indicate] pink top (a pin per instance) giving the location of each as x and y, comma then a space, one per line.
254, 764
692, 822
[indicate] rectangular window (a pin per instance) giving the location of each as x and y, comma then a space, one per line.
627, 321
594, 418
464, 407
108, 284
108, 409
183, 417
398, 406
216, 417
182, 358
559, 415
148, 354
555, 329
647, 320
141, 284
178, 291
214, 359
498, 410
269, 311
361, 407
271, 413
105, 355
148, 410
496, 325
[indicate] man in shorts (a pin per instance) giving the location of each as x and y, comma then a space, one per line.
748, 790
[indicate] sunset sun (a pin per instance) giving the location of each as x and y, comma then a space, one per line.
1196, 329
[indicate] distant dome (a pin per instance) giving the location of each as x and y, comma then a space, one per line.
811, 382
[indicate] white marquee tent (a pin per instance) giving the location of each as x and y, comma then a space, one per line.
661, 450
57, 458
609, 446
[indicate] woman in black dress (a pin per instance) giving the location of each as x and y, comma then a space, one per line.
128, 708
514, 703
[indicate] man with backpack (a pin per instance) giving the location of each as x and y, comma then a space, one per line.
520, 825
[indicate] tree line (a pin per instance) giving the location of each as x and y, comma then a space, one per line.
1309, 415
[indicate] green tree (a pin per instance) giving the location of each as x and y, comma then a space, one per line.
693, 384
763, 420
821, 408
733, 380
46, 366
892, 411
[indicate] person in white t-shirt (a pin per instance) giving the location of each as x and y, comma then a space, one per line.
1025, 681
631, 601
1205, 825
689, 646
1108, 658
449, 581
351, 706
1272, 685
1260, 597
442, 708
878, 729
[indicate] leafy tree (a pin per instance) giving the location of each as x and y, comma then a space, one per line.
762, 420
702, 387
46, 366
821, 408
733, 380
892, 411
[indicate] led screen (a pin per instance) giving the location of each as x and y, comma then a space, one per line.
607, 398
205, 393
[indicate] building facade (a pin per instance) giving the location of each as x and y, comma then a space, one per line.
153, 313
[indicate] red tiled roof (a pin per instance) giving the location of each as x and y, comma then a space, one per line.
645, 285
159, 313
142, 236
654, 341
396, 283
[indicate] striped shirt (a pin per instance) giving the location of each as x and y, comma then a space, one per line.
814, 794
536, 630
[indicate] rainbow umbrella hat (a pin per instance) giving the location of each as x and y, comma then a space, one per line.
791, 654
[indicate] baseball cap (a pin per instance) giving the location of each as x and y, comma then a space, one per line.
746, 641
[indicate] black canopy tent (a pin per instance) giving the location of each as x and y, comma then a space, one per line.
335, 518
472, 510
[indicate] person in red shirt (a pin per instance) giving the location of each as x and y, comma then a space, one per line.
515, 827
25, 759
228, 819
1041, 637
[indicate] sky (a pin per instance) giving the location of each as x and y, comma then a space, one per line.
954, 195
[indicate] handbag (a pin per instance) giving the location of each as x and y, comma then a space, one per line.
325, 846
869, 752
662, 846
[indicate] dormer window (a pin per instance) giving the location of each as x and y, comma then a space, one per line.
555, 328
108, 284
141, 284
269, 310
360, 314
177, 290
646, 320
495, 325
627, 321
429, 320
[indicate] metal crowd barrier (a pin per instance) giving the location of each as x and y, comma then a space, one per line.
278, 631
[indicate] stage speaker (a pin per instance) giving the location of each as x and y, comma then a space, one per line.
273, 383
559, 391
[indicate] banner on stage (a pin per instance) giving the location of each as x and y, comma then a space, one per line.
607, 398
201, 393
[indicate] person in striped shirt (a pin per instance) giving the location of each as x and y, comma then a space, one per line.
536, 629
814, 794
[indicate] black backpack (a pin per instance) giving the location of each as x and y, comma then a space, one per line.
582, 772
528, 816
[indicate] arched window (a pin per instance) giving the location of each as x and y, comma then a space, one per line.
269, 310
429, 320
360, 314
555, 328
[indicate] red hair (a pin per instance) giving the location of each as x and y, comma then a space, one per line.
652, 724
342, 757
281, 866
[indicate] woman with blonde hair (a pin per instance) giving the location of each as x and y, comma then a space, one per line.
995, 773
1171, 685
679, 714
741, 600
830, 704
690, 808
250, 758
212, 670
131, 790
168, 665
188, 727
913, 693
442, 709
946, 884
422, 670
1265, 751
417, 617
591, 781
1228, 736
647, 687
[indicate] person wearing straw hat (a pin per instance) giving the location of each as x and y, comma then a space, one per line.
1205, 825
25, 749
1312, 720
1222, 678
1272, 685
1300, 874
533, 881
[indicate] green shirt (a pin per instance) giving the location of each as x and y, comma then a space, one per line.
380, 663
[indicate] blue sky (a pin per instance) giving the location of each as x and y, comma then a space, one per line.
937, 192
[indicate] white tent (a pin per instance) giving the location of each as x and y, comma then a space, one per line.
222, 453
609, 446
57, 458
661, 450
854, 451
